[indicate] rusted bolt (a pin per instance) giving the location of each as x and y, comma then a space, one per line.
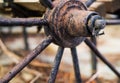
70, 22
100, 24
95, 24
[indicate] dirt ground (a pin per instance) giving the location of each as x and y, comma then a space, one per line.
39, 70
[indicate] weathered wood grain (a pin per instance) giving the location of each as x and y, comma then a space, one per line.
30, 4
101, 6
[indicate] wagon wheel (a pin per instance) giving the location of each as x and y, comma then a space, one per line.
67, 23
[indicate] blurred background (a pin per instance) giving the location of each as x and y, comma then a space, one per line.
17, 42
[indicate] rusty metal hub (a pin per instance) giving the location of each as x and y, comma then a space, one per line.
70, 22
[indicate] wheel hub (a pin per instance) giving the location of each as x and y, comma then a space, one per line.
70, 22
